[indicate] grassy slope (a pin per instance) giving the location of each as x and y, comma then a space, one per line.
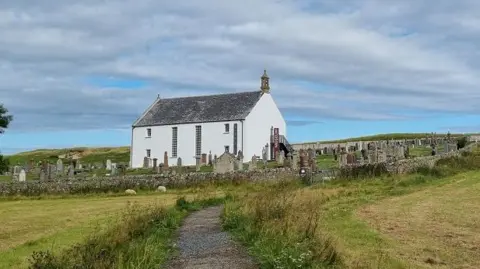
378, 137
408, 221
88, 155
29, 225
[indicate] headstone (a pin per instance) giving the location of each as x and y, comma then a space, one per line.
210, 158
43, 175
179, 162
109, 164
16, 169
22, 176
281, 157
165, 160
288, 160
240, 164
155, 163
198, 163
114, 171
253, 164
71, 171
203, 160
59, 167
146, 162
78, 165
225, 163
295, 160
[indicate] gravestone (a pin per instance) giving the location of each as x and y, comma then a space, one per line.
294, 164
288, 160
155, 163
78, 165
210, 158
179, 162
198, 163
253, 164
114, 171
351, 158
146, 162
109, 164
265, 155
203, 160
43, 175
59, 167
16, 169
22, 176
225, 163
71, 171
280, 157
165, 160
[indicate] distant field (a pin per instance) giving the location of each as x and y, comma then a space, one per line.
87, 155
382, 137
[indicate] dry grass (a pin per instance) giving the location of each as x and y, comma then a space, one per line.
30, 225
439, 226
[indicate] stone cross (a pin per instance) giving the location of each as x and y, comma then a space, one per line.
22, 176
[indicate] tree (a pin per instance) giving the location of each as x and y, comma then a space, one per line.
5, 120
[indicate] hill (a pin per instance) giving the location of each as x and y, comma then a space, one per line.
377, 137
84, 154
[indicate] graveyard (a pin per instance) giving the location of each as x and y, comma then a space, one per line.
60, 198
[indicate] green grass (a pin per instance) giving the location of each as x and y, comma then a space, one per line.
141, 238
390, 136
408, 221
326, 162
87, 155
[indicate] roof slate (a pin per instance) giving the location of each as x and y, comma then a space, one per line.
197, 109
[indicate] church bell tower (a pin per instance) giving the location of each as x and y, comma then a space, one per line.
265, 85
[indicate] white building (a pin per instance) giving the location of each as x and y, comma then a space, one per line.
188, 127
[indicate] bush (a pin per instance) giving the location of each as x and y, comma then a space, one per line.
3, 164
462, 142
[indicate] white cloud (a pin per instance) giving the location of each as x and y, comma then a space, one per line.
378, 58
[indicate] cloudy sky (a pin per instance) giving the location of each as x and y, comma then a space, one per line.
79, 73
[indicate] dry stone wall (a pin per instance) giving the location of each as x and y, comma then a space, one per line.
140, 182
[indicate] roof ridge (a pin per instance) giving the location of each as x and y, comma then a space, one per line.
211, 95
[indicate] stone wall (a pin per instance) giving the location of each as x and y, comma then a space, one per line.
141, 182
410, 165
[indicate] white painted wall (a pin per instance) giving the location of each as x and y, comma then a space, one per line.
258, 126
214, 139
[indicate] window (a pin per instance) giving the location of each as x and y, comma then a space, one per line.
174, 141
149, 132
198, 140
227, 128
235, 139
148, 153
227, 148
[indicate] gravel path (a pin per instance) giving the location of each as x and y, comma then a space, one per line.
203, 244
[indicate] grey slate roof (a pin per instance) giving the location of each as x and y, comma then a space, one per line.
209, 108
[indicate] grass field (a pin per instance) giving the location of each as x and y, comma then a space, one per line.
86, 155
425, 220
56, 223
